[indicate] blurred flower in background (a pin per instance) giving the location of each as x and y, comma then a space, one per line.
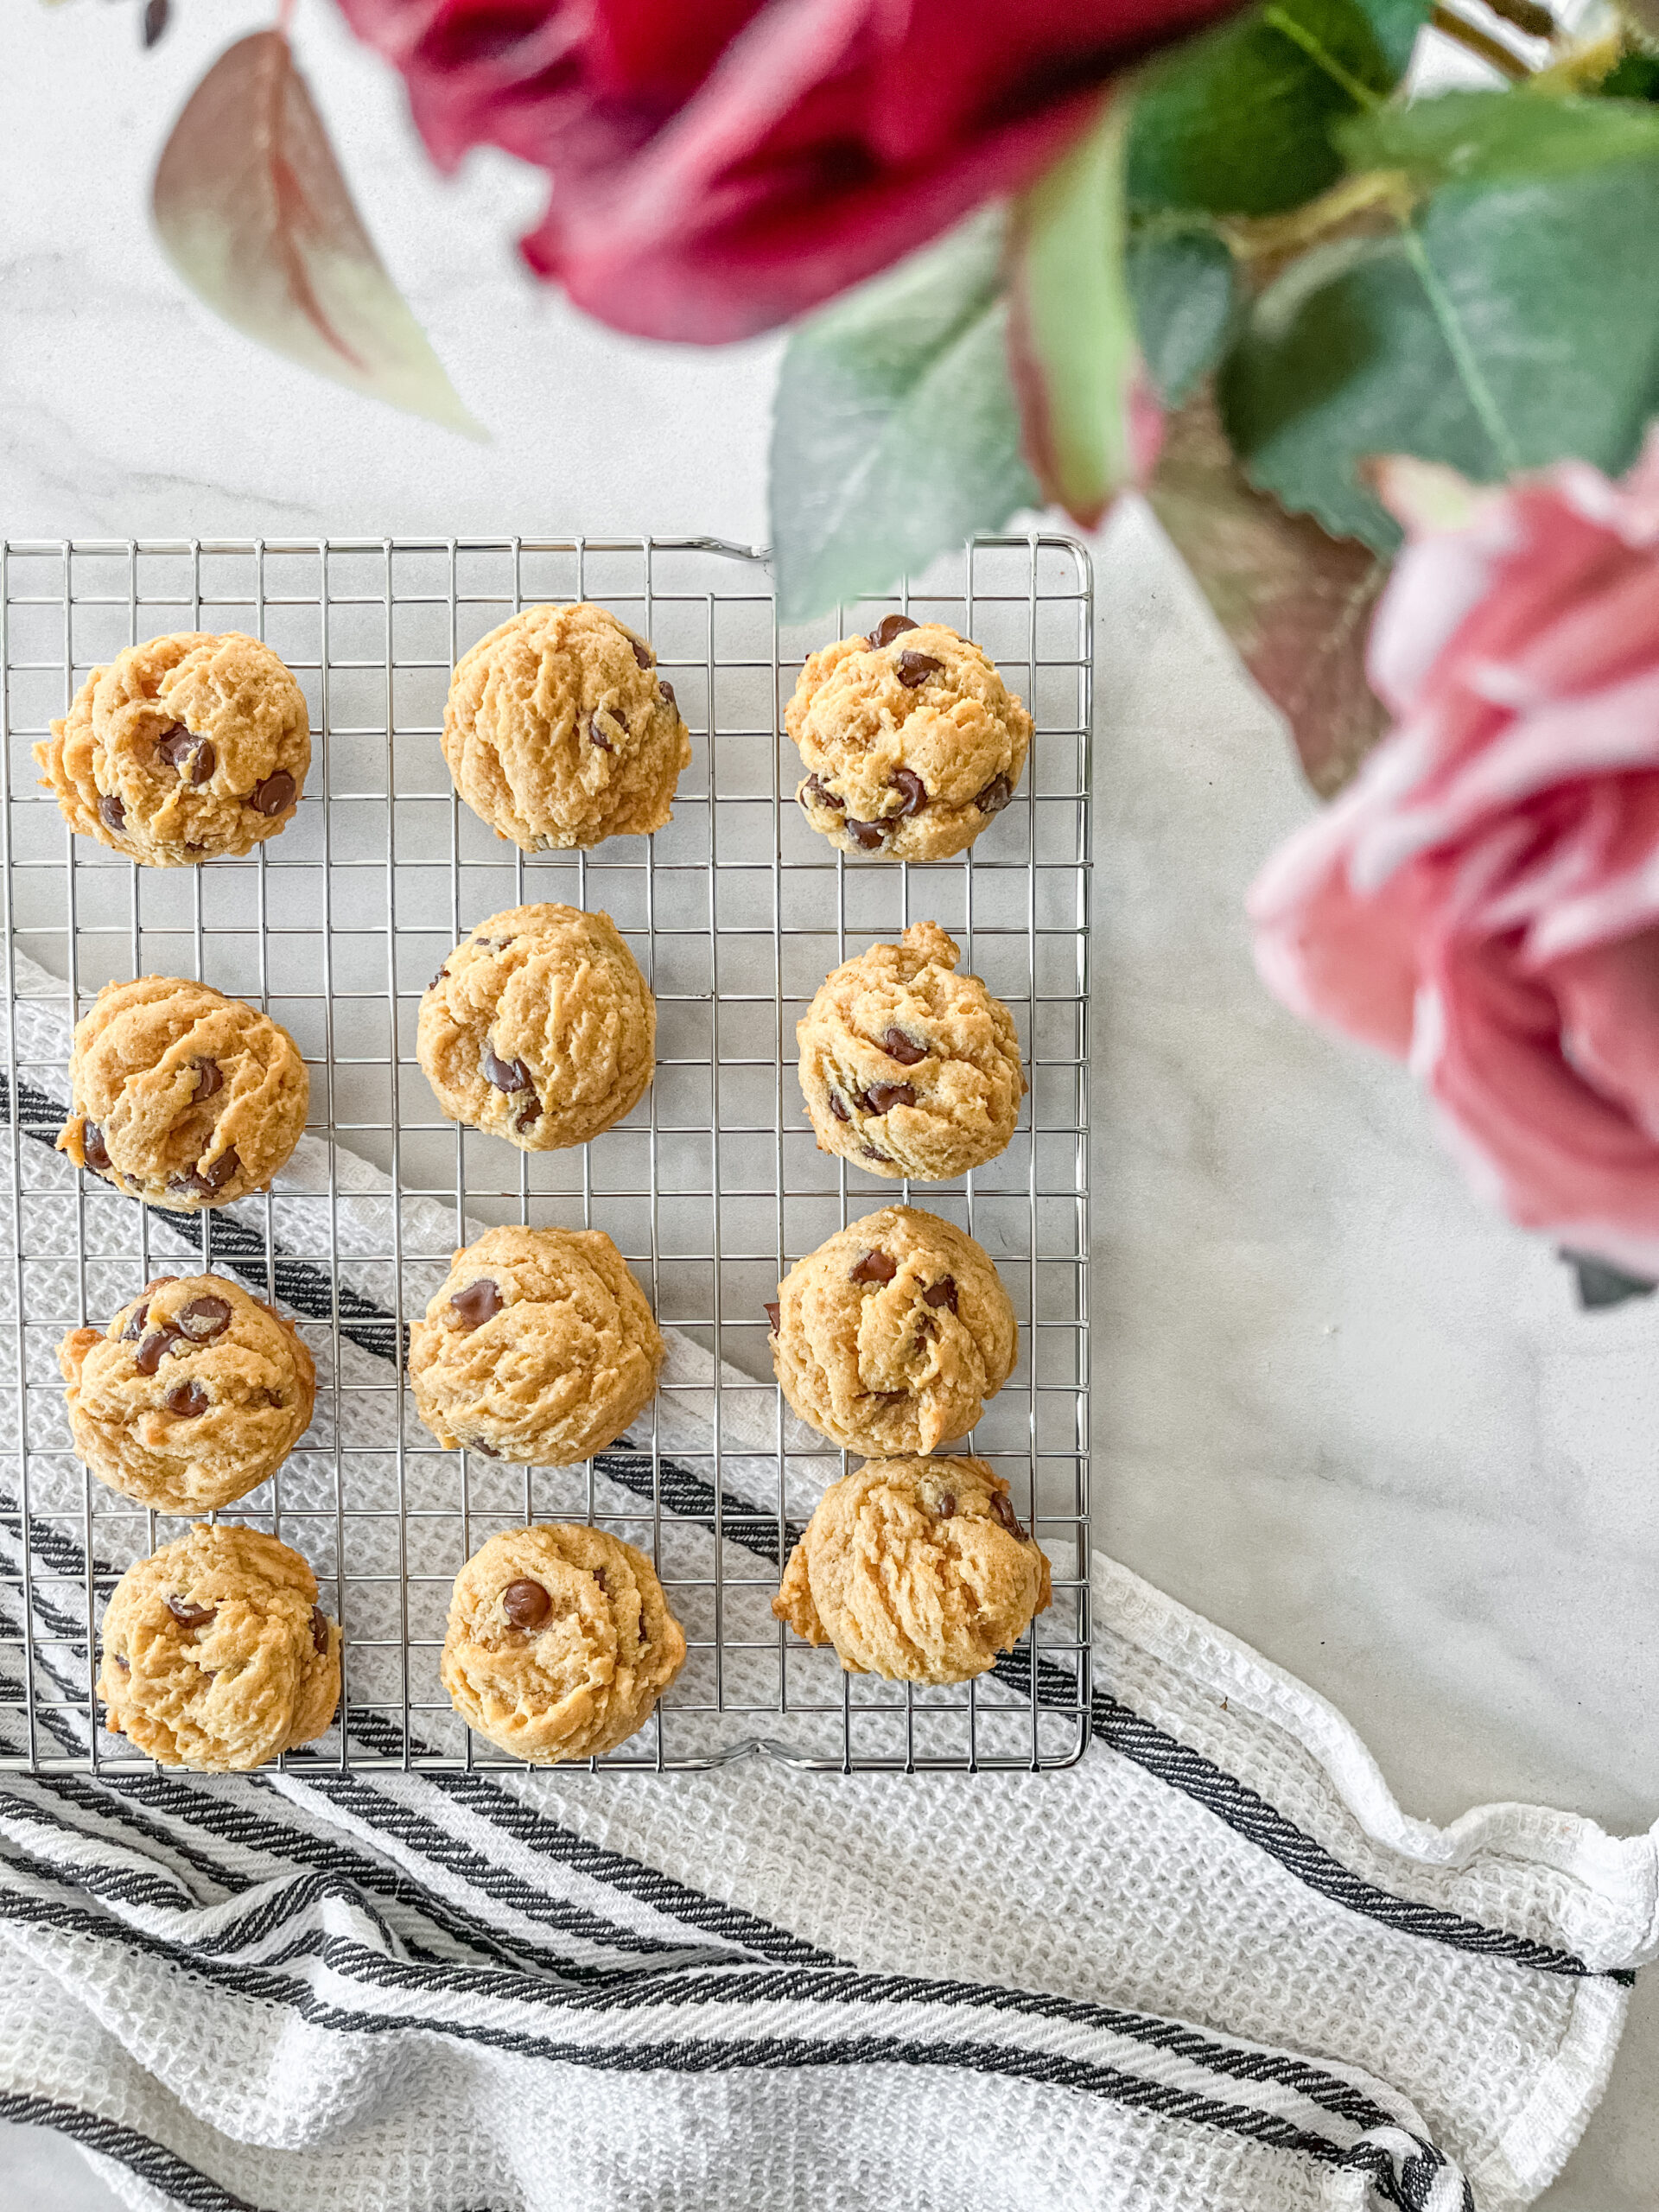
1484, 899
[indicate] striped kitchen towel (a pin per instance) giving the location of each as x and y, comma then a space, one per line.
1213, 1968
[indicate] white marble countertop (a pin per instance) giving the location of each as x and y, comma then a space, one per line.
1341, 1410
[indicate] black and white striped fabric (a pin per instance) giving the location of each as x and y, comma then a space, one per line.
1211, 1969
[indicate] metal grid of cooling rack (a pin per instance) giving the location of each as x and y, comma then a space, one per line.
712, 1187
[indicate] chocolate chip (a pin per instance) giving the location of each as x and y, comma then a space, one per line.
125, 1665
882, 1097
943, 1292
995, 796
869, 1151
207, 1182
204, 1319
838, 1107
666, 691
111, 812
642, 654
596, 736
319, 1631
187, 1400
888, 1397
505, 1075
914, 668
94, 1150
477, 1303
875, 1267
889, 627
190, 1615
599, 1577
915, 790
437, 979
527, 1116
774, 1315
209, 1079
642, 1625
154, 1349
526, 1605
135, 1327
1005, 1513
192, 756
488, 1450
824, 798
867, 834
947, 1504
274, 794
903, 1049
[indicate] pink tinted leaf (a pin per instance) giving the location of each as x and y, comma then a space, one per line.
1089, 423
1296, 603
253, 212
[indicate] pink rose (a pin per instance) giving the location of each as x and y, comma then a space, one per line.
719, 165
1483, 899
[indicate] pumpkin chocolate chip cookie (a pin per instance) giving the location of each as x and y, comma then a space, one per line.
890, 1338
559, 732
906, 1067
216, 1653
539, 1028
181, 1095
192, 1395
190, 747
538, 1346
911, 740
560, 1642
916, 1569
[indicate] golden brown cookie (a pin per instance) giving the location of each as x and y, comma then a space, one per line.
906, 1067
911, 740
181, 1096
190, 747
890, 1336
560, 1642
916, 1569
192, 1395
539, 1028
538, 1346
558, 731
216, 1653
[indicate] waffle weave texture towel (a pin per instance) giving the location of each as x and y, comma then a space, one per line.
1213, 1968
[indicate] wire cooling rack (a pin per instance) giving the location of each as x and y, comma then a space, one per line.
712, 1187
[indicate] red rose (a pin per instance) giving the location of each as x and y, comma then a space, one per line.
720, 165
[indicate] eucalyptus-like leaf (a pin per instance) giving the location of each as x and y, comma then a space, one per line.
253, 212
1499, 137
1088, 430
1296, 603
1184, 288
894, 431
1510, 325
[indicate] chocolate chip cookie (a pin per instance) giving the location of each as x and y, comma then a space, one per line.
539, 1028
906, 1067
911, 740
181, 1096
916, 1569
890, 1338
190, 747
560, 1642
192, 1395
216, 1653
538, 1346
559, 731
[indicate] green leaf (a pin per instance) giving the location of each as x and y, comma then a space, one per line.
1185, 289
1238, 122
1632, 77
253, 212
1512, 325
1295, 602
895, 432
1499, 137
1072, 338
1395, 25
